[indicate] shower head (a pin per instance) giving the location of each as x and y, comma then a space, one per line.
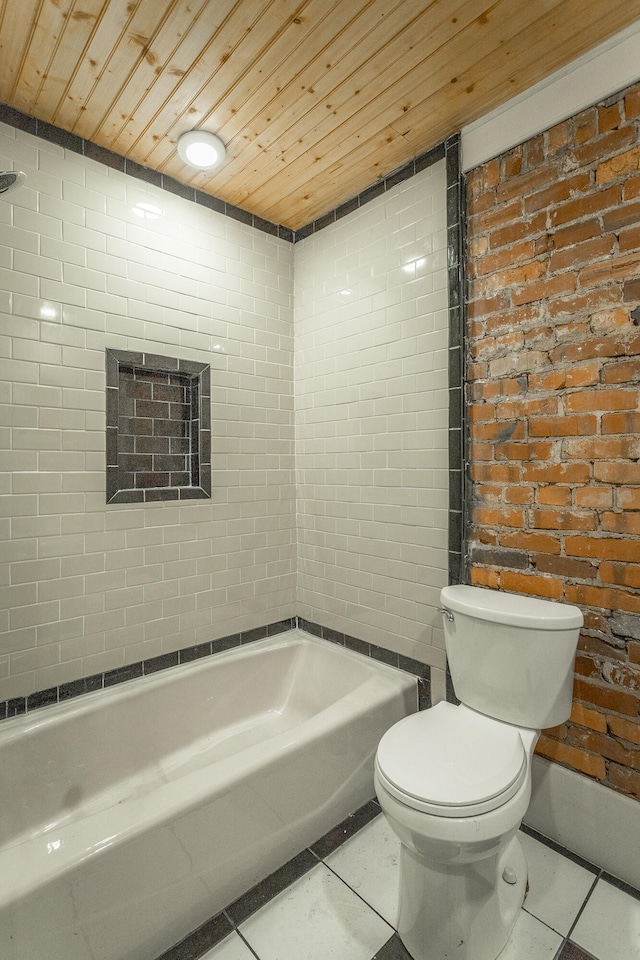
10, 180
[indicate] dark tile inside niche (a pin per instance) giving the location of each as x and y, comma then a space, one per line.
158, 428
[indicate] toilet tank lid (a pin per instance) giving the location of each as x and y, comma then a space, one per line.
500, 607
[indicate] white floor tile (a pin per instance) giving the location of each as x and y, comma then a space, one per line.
370, 862
531, 940
231, 948
316, 918
557, 886
609, 927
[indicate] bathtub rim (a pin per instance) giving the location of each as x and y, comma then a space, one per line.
125, 690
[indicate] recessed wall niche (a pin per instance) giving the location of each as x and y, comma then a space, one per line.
158, 428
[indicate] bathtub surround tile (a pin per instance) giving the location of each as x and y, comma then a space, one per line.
371, 398
76, 688
190, 654
133, 671
203, 288
16, 706
609, 926
226, 643
202, 278
43, 698
162, 662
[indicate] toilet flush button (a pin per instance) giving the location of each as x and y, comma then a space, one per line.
509, 875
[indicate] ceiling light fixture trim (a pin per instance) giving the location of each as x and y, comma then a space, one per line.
201, 149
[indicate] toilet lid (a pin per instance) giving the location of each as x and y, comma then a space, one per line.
451, 761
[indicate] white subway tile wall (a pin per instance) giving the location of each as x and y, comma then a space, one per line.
371, 330
86, 587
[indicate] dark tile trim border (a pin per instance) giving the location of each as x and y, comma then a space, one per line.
458, 451
422, 671
198, 375
599, 873
375, 190
69, 141
571, 951
217, 928
558, 848
142, 668
394, 949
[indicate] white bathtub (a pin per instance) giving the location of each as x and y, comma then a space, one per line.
131, 815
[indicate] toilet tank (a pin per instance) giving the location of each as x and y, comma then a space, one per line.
511, 657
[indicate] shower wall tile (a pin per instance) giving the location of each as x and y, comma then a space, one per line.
371, 383
86, 587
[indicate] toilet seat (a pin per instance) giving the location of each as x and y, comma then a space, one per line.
451, 761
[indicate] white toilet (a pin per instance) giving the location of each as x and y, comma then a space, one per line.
455, 781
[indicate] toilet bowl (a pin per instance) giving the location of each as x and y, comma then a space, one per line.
454, 781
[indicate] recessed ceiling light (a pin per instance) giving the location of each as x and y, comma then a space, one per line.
201, 149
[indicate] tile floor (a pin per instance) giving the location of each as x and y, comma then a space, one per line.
337, 900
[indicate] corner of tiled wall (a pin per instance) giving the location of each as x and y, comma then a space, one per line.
371, 381
88, 587
94, 259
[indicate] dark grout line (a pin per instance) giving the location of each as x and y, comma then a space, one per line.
247, 944
220, 926
582, 908
558, 848
621, 885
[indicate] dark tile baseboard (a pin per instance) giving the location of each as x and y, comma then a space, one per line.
217, 928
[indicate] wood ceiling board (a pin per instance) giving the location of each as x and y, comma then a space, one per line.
330, 140
224, 92
131, 75
275, 107
496, 82
339, 95
175, 110
16, 28
117, 47
168, 57
55, 26
433, 116
342, 180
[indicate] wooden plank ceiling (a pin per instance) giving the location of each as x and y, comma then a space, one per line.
314, 99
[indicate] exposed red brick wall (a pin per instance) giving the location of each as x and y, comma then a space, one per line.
554, 407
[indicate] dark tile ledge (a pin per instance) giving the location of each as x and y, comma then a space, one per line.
142, 668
